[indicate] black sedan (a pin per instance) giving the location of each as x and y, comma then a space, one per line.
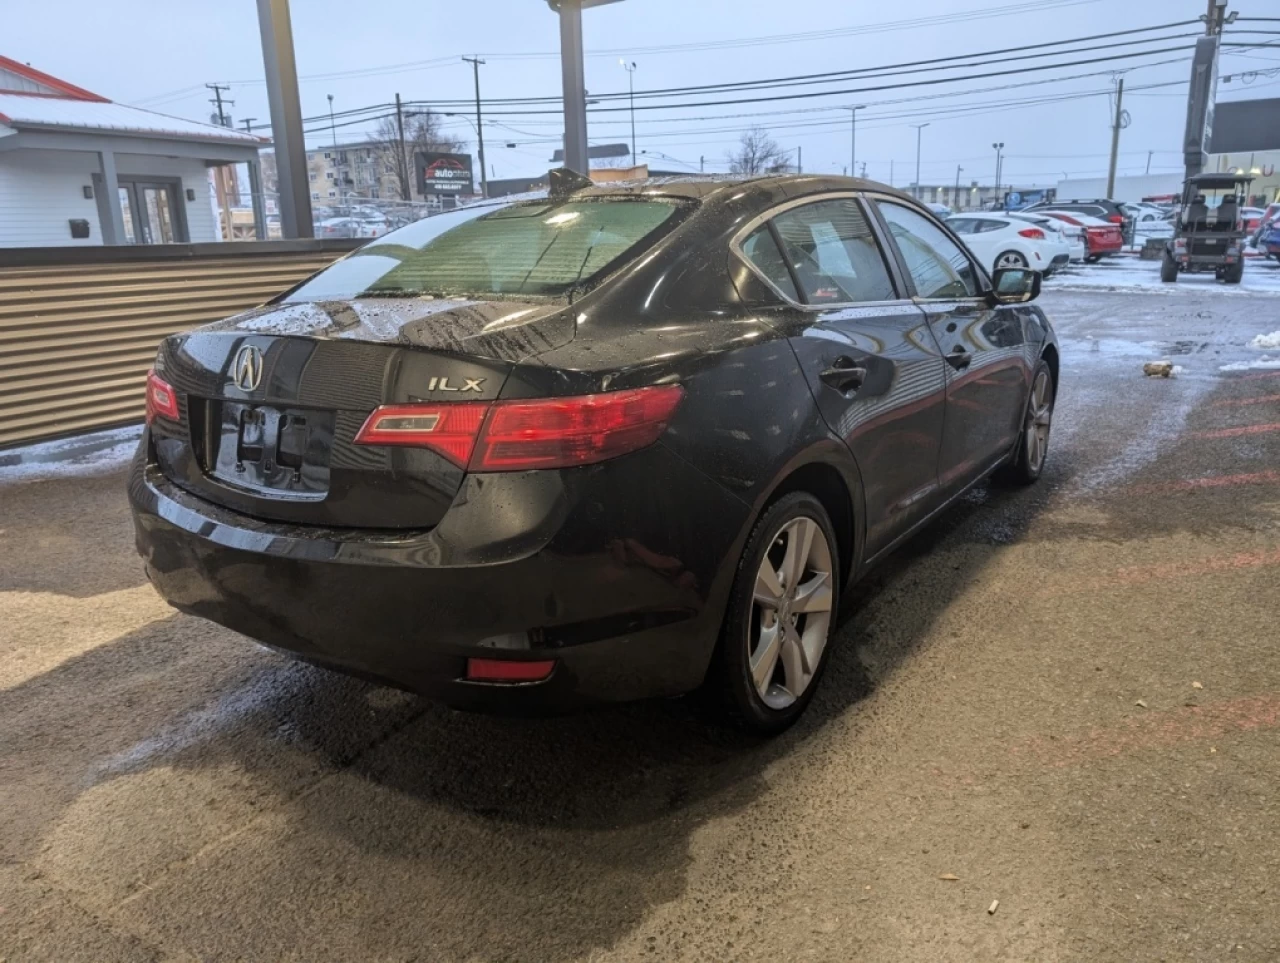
615, 443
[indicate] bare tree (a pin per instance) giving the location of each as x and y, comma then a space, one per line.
422, 132
758, 153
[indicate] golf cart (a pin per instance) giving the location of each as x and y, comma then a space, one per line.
1209, 231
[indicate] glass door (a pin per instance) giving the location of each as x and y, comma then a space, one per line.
150, 213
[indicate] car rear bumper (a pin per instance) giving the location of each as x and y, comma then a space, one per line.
626, 595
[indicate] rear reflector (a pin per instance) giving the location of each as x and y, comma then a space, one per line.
525, 435
162, 400
502, 670
1032, 232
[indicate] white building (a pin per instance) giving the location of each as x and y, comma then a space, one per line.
77, 169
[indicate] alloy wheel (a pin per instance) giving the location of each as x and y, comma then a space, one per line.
1011, 259
791, 612
1039, 418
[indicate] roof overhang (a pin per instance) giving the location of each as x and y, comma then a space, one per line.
1221, 180
33, 137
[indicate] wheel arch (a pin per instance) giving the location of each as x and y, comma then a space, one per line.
836, 483
1050, 356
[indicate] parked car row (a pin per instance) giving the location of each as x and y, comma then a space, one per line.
1012, 241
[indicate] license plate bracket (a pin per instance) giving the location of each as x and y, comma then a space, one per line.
272, 450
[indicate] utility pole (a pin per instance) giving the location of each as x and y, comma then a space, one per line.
630, 68
223, 119
1149, 155
402, 158
333, 132
919, 135
1115, 138
853, 138
864, 170
484, 175
702, 164
800, 160
955, 199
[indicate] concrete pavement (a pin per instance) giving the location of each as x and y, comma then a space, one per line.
1067, 697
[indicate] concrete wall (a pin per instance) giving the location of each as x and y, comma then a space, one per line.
41, 190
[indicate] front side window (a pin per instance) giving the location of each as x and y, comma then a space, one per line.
834, 254
537, 249
939, 268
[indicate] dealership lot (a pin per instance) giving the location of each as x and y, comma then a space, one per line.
1067, 697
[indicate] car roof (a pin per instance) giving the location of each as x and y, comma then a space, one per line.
699, 187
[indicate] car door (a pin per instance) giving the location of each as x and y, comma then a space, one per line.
872, 363
985, 348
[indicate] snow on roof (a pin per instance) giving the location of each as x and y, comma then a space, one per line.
56, 113
30, 98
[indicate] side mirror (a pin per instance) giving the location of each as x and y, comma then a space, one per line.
1015, 286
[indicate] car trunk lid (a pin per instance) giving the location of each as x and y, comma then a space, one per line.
270, 402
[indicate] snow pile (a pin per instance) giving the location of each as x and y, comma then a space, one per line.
84, 456
1266, 361
1266, 342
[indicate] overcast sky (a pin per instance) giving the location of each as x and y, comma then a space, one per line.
158, 54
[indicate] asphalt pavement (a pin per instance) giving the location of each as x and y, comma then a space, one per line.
1064, 699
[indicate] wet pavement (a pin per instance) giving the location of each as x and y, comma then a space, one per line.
1066, 697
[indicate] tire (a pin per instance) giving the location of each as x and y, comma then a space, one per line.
1010, 259
1168, 269
1032, 446
1093, 258
1235, 273
769, 706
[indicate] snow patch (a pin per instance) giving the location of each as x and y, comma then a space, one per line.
83, 456
1266, 342
1264, 362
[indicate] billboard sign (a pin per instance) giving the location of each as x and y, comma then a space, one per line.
444, 174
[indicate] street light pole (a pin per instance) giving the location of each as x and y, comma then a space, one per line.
955, 198
630, 68
853, 138
919, 135
484, 174
996, 190
333, 132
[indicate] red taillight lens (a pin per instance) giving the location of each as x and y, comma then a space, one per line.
524, 435
450, 430
1116, 219
162, 400
563, 432
1032, 232
505, 670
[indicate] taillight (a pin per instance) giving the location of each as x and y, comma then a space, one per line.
450, 430
1032, 232
524, 435
1116, 218
162, 400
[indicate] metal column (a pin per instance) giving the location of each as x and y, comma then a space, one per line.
575, 88
286, 118
113, 225
259, 200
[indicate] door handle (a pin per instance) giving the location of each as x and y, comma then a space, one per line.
959, 358
844, 375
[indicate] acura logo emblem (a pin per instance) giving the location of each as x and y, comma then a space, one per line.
248, 368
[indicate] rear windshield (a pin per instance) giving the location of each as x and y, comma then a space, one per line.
532, 249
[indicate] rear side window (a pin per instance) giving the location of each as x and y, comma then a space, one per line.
762, 250
989, 226
539, 249
938, 266
834, 254
963, 225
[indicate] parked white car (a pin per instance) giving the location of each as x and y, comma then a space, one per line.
1004, 241
1069, 234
